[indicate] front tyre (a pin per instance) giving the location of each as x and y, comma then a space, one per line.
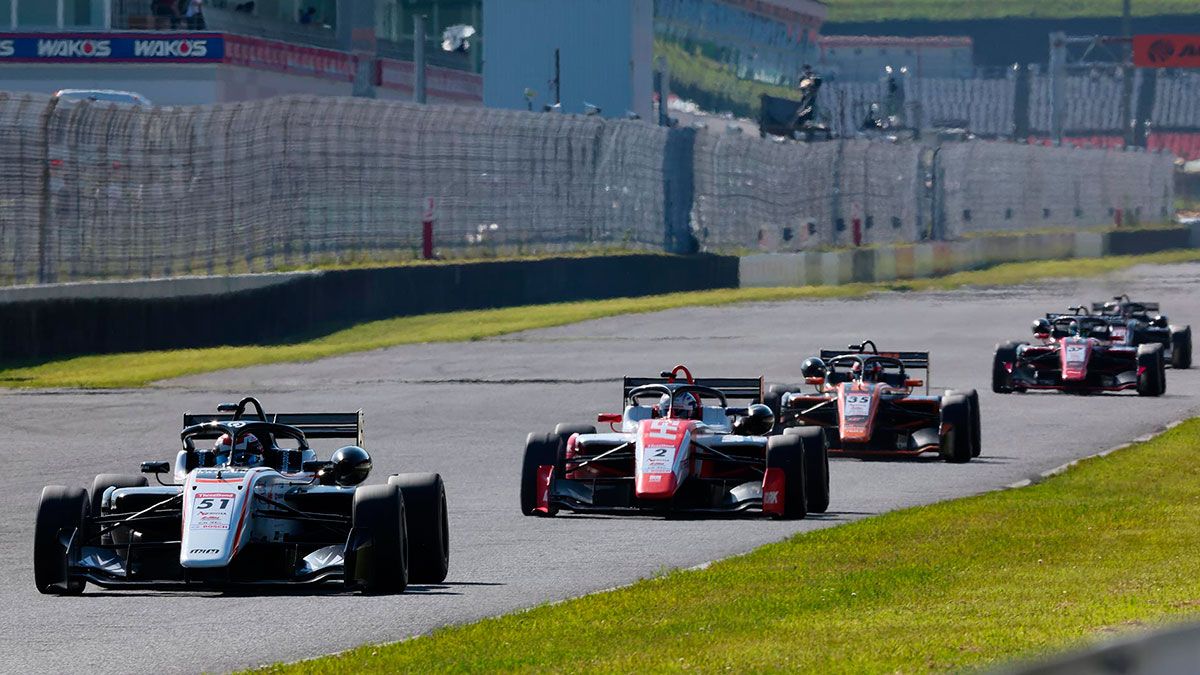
956, 429
427, 524
381, 566
785, 477
1006, 353
976, 430
540, 450
62, 513
816, 469
1151, 379
1181, 347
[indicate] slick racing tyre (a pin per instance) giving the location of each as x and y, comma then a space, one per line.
1152, 377
976, 430
1001, 379
382, 566
816, 469
427, 525
100, 485
774, 397
956, 440
1181, 347
540, 450
61, 513
786, 453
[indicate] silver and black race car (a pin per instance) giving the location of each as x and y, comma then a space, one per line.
257, 507
1140, 323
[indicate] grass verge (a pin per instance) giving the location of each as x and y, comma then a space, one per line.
1106, 547
141, 368
943, 10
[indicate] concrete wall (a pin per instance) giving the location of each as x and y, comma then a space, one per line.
916, 261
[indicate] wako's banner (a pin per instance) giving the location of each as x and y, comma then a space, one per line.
1166, 51
111, 47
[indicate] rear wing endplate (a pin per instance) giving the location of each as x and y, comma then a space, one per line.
314, 425
735, 388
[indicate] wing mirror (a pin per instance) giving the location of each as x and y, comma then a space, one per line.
156, 467
914, 383
227, 407
758, 420
610, 418
813, 367
1159, 321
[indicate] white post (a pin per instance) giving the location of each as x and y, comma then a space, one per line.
60, 14
107, 14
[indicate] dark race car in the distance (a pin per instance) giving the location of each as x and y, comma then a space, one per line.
1075, 353
1140, 323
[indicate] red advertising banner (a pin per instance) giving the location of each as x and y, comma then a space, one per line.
1166, 51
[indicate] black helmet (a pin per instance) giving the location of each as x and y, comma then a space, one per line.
351, 465
813, 367
759, 421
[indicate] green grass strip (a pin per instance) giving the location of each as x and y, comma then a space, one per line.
1104, 548
943, 10
141, 368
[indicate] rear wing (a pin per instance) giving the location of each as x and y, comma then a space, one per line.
735, 388
911, 360
1146, 306
314, 425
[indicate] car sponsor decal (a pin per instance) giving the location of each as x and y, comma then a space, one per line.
1076, 352
212, 510
857, 405
658, 459
1119, 332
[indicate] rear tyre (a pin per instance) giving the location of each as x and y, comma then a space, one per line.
427, 524
100, 485
786, 453
382, 567
540, 450
976, 430
816, 469
1181, 348
1006, 352
61, 511
956, 424
1152, 378
774, 397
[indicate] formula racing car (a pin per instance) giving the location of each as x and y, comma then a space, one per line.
257, 507
1076, 353
678, 447
1139, 323
864, 402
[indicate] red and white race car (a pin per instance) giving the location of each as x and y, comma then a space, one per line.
678, 446
1077, 353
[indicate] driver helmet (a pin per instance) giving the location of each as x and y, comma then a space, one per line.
868, 373
248, 451
683, 406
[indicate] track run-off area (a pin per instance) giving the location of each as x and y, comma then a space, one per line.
464, 409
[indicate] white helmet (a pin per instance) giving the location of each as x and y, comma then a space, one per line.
248, 451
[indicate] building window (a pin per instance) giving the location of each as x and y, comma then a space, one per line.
37, 14
5, 13
83, 13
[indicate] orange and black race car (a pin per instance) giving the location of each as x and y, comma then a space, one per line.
865, 401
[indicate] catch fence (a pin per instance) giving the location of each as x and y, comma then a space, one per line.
94, 191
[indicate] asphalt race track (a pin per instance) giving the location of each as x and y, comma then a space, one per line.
464, 410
